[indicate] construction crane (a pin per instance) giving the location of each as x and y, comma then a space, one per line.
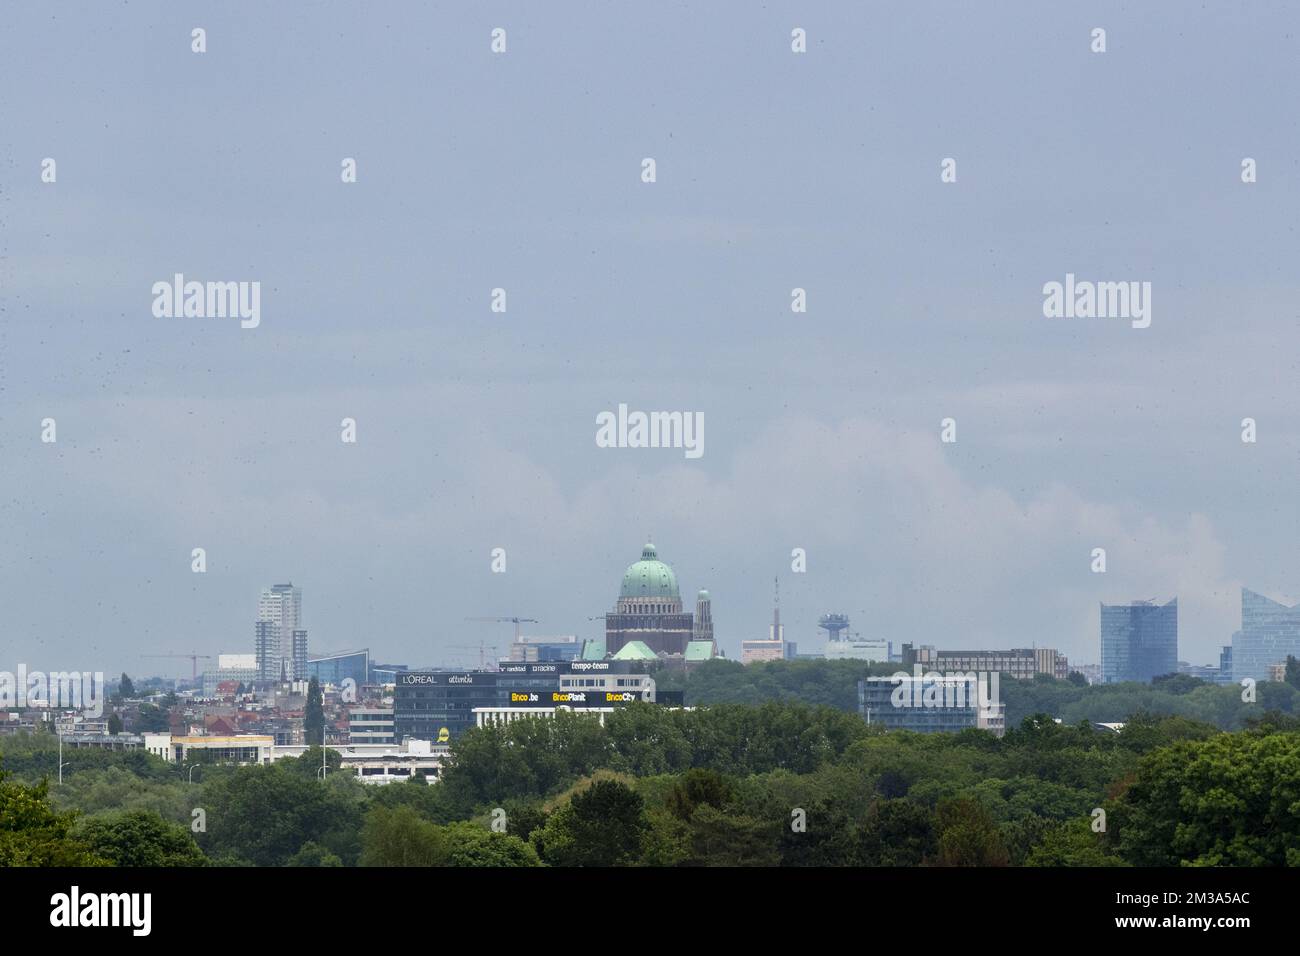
482, 652
194, 661
503, 620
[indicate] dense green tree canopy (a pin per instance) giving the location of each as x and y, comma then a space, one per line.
265, 814
32, 833
1230, 800
774, 783
602, 825
140, 838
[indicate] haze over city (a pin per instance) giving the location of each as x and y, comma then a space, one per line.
477, 430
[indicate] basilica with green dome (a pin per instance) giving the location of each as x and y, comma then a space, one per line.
648, 619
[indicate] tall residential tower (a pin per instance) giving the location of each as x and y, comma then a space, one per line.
279, 639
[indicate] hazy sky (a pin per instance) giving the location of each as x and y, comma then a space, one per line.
522, 170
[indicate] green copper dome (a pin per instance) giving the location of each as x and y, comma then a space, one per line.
649, 578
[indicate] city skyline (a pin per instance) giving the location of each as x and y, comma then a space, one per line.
651, 440
1266, 624
478, 429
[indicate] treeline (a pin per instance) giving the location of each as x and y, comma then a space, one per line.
835, 684
776, 784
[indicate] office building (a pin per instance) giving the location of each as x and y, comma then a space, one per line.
1022, 663
591, 687
371, 725
237, 749
1269, 632
386, 673
1225, 661
266, 649
527, 649
298, 659
341, 666
370, 763
240, 668
753, 652
858, 648
932, 703
441, 705
1205, 672
843, 644
433, 705
1091, 672
102, 741
1139, 641
607, 677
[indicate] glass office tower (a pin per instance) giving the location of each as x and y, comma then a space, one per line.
1139, 641
1269, 632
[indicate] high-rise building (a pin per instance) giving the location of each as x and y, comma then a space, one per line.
281, 603
279, 639
1269, 632
299, 656
1139, 641
266, 648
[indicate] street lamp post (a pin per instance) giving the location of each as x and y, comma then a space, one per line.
60, 757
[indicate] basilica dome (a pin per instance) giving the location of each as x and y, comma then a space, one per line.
649, 578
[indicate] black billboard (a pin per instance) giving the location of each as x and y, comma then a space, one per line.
577, 699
